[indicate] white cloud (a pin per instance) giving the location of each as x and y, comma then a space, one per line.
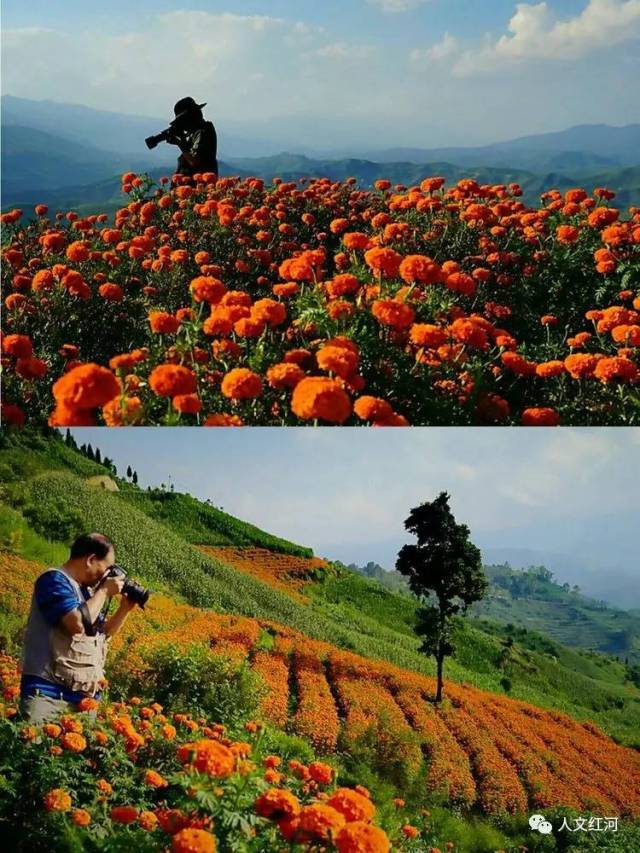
248, 66
395, 6
446, 48
536, 33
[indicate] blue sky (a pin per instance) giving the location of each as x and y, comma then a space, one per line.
346, 492
403, 72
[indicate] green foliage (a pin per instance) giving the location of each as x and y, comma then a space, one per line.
203, 524
444, 569
18, 536
202, 683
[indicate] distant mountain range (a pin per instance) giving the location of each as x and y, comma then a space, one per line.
71, 156
534, 600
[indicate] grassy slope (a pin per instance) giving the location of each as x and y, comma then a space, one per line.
347, 609
24, 455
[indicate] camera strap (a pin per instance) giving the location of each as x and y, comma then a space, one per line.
88, 625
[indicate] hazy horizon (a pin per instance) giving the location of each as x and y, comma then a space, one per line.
370, 73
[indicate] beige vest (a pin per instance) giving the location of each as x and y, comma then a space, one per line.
76, 660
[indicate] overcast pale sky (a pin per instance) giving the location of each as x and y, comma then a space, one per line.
346, 491
424, 72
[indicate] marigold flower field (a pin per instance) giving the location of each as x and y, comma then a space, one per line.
281, 571
483, 751
226, 302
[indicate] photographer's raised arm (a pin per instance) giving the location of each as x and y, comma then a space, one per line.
72, 621
115, 622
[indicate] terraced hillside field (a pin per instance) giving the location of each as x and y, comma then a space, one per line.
286, 572
477, 749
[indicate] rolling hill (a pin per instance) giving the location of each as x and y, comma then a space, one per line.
48, 496
532, 600
35, 160
526, 723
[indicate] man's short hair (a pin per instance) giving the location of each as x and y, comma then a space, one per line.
91, 543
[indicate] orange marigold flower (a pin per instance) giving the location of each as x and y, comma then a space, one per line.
52, 729
31, 368
548, 369
580, 365
86, 387
111, 292
372, 408
193, 841
154, 779
73, 742
269, 311
427, 335
171, 380
78, 251
360, 837
241, 384
470, 333
320, 772
42, 281
419, 268
81, 817
342, 284
249, 327
163, 323
148, 821
18, 346
410, 831
540, 417
337, 359
124, 814
277, 803
187, 404
213, 758
626, 334
317, 397
57, 800
383, 261
567, 233
352, 805
394, 314
223, 420
127, 361
320, 820
355, 240
104, 787
284, 375
123, 411
609, 369
88, 704
518, 364
207, 289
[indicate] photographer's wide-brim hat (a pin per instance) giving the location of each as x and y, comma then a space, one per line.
187, 105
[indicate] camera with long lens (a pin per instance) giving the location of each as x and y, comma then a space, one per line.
175, 129
132, 589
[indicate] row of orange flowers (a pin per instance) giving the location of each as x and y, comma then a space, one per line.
328, 304
483, 749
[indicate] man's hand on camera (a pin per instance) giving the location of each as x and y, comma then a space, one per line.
176, 137
126, 603
113, 586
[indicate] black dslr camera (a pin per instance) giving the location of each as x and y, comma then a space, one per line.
133, 590
173, 132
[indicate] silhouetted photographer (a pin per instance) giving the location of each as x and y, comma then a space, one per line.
195, 137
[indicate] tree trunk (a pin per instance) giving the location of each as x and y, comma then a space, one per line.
439, 659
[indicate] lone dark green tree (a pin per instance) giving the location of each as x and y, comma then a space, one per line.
444, 570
